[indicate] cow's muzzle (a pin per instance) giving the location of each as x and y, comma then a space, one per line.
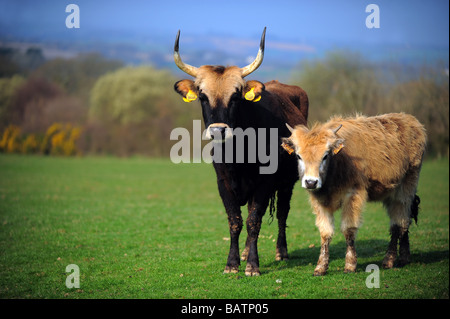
218, 132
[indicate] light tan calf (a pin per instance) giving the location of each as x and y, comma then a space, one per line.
348, 161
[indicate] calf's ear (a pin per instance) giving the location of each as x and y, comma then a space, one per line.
253, 90
338, 145
287, 145
186, 89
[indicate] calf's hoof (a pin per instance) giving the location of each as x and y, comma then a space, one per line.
388, 262
402, 262
349, 268
320, 270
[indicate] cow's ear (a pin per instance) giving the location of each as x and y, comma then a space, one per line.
253, 90
186, 89
287, 145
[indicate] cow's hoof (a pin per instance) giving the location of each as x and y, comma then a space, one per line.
244, 254
252, 271
280, 258
281, 255
231, 270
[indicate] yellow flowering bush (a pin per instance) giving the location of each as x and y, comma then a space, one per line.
59, 139
10, 139
30, 144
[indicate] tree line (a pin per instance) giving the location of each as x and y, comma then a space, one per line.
345, 83
92, 105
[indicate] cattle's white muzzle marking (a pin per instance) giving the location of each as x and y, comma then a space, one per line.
311, 182
218, 132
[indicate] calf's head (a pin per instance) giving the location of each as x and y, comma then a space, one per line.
314, 150
220, 90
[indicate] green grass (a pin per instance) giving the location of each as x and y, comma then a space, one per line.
147, 228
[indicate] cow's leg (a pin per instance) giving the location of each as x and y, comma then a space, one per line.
234, 218
351, 220
325, 223
283, 206
257, 208
244, 254
235, 224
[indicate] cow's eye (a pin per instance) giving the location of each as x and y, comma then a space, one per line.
325, 158
298, 156
235, 96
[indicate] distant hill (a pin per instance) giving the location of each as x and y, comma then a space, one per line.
281, 55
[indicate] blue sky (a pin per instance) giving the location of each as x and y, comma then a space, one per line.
402, 22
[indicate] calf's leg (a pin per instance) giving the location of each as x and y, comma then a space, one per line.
325, 223
402, 206
351, 220
400, 215
350, 256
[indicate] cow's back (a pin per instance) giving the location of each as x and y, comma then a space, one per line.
291, 101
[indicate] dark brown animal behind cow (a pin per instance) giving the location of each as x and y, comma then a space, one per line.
230, 102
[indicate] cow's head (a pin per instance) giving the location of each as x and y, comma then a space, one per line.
314, 150
220, 90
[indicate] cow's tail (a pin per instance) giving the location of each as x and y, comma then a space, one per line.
415, 208
272, 207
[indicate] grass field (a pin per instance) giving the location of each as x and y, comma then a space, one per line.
148, 228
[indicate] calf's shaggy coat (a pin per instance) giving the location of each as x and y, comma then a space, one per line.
348, 161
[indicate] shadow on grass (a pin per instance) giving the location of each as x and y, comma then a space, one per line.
373, 249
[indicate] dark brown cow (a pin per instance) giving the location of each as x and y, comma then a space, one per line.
229, 102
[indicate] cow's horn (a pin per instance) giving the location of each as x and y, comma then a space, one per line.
189, 69
259, 58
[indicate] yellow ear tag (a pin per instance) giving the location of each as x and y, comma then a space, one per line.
336, 150
191, 96
250, 95
287, 148
257, 99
